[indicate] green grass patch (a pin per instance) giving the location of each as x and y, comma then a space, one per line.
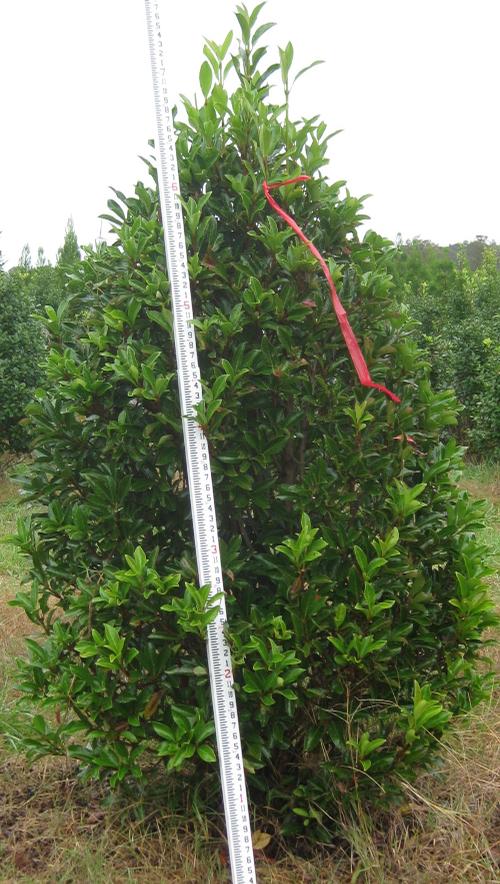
483, 481
12, 508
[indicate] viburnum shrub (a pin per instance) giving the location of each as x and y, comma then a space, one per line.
355, 591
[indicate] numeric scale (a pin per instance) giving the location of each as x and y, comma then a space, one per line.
199, 476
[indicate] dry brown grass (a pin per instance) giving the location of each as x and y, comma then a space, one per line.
56, 830
53, 828
483, 481
13, 623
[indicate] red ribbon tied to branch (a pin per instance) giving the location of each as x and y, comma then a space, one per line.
355, 353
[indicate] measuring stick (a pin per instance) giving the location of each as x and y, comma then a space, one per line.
198, 469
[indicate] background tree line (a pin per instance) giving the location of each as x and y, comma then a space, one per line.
25, 291
453, 293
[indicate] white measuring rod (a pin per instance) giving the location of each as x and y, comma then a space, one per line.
198, 468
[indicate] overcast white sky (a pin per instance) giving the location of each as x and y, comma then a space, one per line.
414, 85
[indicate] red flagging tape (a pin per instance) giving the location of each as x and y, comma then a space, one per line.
352, 345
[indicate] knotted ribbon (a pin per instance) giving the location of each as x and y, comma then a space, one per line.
355, 353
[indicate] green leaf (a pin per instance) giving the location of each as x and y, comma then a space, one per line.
255, 13
206, 753
225, 45
308, 68
114, 640
163, 731
205, 78
86, 649
340, 614
361, 559
286, 59
261, 30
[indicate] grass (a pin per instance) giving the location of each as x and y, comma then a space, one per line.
12, 567
53, 828
483, 481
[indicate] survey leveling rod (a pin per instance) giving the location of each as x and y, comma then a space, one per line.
198, 469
